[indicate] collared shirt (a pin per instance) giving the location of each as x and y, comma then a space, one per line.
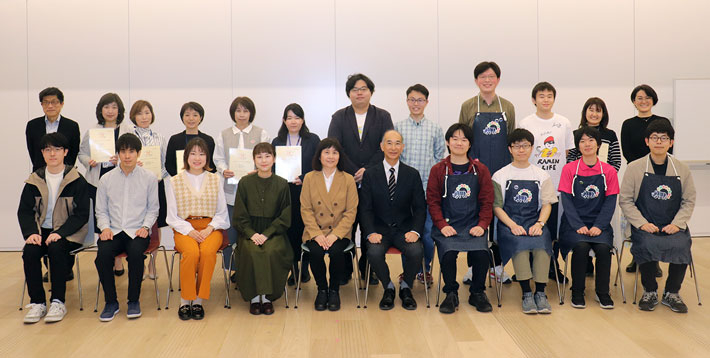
51, 127
470, 108
387, 170
127, 202
424, 145
220, 156
328, 180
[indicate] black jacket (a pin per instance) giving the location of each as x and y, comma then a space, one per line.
178, 142
365, 153
309, 144
36, 128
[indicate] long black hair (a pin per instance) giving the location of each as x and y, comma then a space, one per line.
298, 111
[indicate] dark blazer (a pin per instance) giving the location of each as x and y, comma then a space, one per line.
178, 142
309, 144
365, 153
36, 128
406, 212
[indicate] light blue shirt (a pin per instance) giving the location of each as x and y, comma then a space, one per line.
424, 145
51, 127
127, 202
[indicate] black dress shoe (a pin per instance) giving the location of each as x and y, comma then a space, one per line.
267, 308
631, 267
387, 301
198, 312
185, 312
480, 301
255, 308
408, 302
333, 300
450, 303
373, 279
321, 300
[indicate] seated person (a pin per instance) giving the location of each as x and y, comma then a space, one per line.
392, 214
262, 214
588, 188
53, 223
524, 195
196, 209
126, 209
460, 198
657, 197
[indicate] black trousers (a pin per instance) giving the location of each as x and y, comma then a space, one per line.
676, 274
59, 267
480, 262
135, 254
497, 260
295, 231
580, 255
336, 267
412, 252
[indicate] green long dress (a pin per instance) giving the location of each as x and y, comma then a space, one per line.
262, 205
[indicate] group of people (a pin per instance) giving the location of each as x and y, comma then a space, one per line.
392, 180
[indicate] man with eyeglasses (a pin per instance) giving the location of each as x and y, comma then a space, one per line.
492, 119
359, 128
658, 197
52, 101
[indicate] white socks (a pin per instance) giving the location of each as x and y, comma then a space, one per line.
184, 302
255, 299
264, 299
197, 301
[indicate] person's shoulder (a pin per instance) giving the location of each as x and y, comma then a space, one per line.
640, 162
280, 181
527, 120
202, 135
380, 111
340, 113
505, 102
608, 168
469, 102
35, 122
541, 174
562, 119
346, 176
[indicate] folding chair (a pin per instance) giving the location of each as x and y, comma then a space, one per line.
353, 255
499, 286
76, 253
394, 251
45, 258
614, 252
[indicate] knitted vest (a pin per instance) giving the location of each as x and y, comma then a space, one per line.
195, 202
231, 140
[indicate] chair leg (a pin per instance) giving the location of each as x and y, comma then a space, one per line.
286, 294
426, 284
226, 284
165, 256
495, 278
356, 268
636, 281
438, 287
179, 269
557, 279
695, 277
98, 288
155, 282
170, 278
353, 256
564, 284
618, 272
298, 282
367, 284
78, 282
22, 296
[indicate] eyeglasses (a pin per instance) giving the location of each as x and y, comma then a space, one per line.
521, 146
359, 89
416, 100
48, 103
655, 138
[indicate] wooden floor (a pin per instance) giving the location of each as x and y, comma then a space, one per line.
507, 332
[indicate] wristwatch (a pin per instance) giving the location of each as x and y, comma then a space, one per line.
542, 224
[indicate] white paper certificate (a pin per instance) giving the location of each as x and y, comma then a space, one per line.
604, 153
179, 161
102, 144
150, 157
241, 163
288, 162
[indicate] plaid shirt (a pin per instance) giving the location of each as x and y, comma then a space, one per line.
424, 145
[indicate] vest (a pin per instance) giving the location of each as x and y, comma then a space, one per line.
231, 140
195, 202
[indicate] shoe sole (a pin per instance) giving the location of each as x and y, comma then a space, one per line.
134, 315
108, 319
648, 309
32, 320
578, 306
532, 311
48, 319
673, 309
544, 311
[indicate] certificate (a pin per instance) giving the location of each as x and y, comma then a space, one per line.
241, 163
178, 160
102, 144
150, 157
604, 153
288, 162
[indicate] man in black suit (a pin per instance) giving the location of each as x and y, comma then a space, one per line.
359, 128
52, 101
392, 213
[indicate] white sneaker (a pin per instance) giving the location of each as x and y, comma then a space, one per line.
468, 277
500, 275
36, 312
57, 311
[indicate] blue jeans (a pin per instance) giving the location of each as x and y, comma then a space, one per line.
428, 243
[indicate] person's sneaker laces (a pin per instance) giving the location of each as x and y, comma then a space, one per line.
675, 303
648, 301
57, 311
529, 305
35, 313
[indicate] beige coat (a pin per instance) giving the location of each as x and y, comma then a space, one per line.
325, 212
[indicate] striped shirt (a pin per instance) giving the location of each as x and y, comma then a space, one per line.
424, 145
612, 156
150, 137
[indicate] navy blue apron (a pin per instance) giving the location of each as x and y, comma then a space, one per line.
460, 207
521, 204
658, 201
588, 195
490, 133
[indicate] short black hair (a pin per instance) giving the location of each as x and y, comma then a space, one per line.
544, 86
595, 101
128, 141
51, 91
519, 135
109, 98
298, 111
55, 139
352, 79
648, 90
323, 145
467, 132
590, 132
195, 107
245, 102
660, 126
419, 88
484, 66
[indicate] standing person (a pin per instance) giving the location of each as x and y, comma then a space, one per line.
329, 201
553, 138
126, 209
242, 135
588, 188
423, 146
52, 101
262, 214
595, 115
196, 210
192, 114
658, 197
294, 132
492, 119
359, 128
53, 215
396, 222
524, 195
460, 199
633, 132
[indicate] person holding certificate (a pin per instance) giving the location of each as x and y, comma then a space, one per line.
233, 158
294, 132
192, 114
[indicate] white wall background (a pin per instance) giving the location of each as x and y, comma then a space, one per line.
277, 52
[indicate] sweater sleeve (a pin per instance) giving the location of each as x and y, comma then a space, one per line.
26, 213
606, 212
241, 219
433, 196
485, 196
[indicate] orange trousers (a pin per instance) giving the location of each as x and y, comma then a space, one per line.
197, 259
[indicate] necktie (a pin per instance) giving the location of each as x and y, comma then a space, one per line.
391, 184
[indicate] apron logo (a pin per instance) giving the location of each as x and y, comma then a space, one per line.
516, 187
590, 192
663, 192
492, 128
463, 191
524, 196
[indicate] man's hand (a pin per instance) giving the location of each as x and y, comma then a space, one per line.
476, 231
448, 231
411, 237
34, 239
106, 235
374, 238
649, 228
670, 229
